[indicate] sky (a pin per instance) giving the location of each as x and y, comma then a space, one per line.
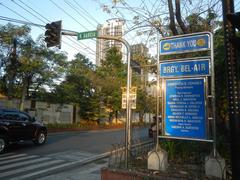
76, 15
85, 15
45, 11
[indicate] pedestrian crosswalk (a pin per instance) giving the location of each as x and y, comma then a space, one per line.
15, 166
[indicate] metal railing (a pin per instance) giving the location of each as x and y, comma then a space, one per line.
138, 153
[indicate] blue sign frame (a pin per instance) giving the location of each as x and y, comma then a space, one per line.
185, 114
185, 68
183, 44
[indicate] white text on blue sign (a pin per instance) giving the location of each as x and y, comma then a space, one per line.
184, 44
185, 68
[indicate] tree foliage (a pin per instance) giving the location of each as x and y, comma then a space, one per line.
32, 66
112, 73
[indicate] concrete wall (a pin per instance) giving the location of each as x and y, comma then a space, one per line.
48, 113
60, 113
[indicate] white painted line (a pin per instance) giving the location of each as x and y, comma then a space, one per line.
4, 167
17, 159
11, 157
25, 169
6, 154
84, 161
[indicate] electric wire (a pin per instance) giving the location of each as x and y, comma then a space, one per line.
78, 12
49, 21
68, 14
86, 12
55, 4
27, 11
28, 22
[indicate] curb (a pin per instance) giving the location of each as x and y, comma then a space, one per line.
82, 131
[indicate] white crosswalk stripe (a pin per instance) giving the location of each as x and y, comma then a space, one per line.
23, 163
11, 157
22, 166
17, 159
16, 171
15, 166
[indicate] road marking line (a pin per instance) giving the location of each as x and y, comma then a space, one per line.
20, 170
18, 159
42, 171
4, 167
11, 157
6, 154
79, 162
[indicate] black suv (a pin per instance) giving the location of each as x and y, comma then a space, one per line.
18, 126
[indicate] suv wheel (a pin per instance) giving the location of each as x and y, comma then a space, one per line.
3, 143
41, 138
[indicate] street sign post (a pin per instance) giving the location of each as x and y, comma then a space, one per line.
186, 83
87, 35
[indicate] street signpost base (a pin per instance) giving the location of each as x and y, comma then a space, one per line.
215, 167
158, 160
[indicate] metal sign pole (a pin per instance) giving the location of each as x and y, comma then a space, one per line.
213, 97
158, 91
128, 122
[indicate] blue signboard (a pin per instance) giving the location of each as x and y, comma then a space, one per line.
182, 44
185, 108
185, 68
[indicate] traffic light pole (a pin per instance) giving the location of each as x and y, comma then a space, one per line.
128, 107
233, 88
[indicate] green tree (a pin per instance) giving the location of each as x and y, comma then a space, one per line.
9, 64
220, 78
34, 66
77, 87
112, 75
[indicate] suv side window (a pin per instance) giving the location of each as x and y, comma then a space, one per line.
24, 117
11, 116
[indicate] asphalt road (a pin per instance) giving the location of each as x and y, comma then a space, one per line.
88, 141
66, 155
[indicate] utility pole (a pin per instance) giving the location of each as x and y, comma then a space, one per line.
233, 87
12, 68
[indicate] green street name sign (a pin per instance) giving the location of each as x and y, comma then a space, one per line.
87, 35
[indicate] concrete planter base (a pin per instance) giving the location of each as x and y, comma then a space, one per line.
119, 174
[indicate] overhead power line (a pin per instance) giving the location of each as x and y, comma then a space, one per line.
86, 12
3, 18
33, 10
79, 13
48, 21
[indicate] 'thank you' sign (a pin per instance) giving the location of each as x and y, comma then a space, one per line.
182, 44
185, 108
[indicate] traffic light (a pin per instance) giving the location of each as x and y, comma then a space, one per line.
53, 34
234, 18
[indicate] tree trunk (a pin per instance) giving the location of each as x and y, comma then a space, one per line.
116, 116
141, 114
172, 24
179, 18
